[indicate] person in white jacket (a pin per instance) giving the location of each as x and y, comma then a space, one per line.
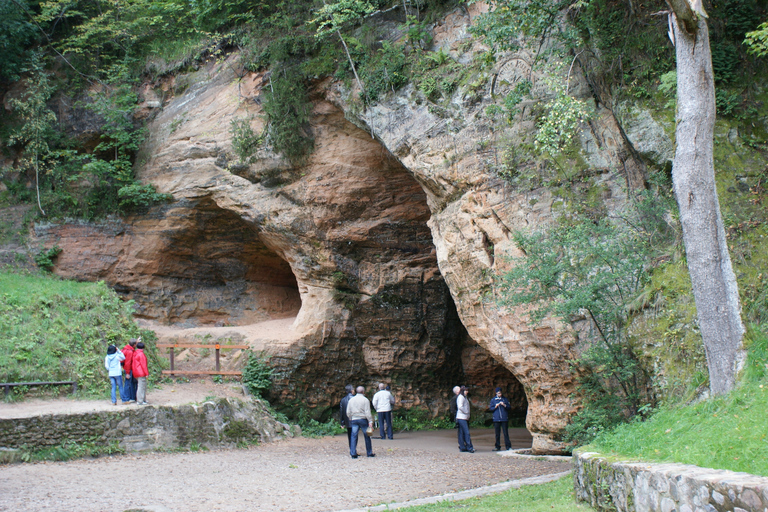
462, 419
383, 402
112, 364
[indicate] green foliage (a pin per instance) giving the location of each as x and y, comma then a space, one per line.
70, 451
419, 419
508, 21
257, 375
52, 329
590, 271
288, 108
310, 427
136, 196
757, 40
561, 120
17, 34
335, 16
733, 426
245, 141
386, 70
44, 259
417, 32
36, 121
554, 496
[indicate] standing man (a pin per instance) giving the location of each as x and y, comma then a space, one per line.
129, 389
343, 412
500, 408
462, 418
140, 371
383, 402
359, 413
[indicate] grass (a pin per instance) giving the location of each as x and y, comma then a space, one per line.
52, 329
728, 432
554, 496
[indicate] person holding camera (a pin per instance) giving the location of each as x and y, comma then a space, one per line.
360, 417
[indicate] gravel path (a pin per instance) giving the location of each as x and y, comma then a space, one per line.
290, 475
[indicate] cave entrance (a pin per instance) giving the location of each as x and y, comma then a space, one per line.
483, 374
221, 273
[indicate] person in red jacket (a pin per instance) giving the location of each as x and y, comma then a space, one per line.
140, 371
129, 388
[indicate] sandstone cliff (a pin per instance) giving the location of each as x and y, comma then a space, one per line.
381, 248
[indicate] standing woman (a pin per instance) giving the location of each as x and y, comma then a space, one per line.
140, 371
462, 418
112, 364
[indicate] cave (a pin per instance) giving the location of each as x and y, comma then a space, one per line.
212, 269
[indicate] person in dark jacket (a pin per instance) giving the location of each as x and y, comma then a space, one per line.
500, 408
343, 412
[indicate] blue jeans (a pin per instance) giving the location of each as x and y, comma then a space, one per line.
465, 443
502, 426
117, 383
357, 426
385, 416
127, 392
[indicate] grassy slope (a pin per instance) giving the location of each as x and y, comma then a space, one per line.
555, 496
51, 329
724, 432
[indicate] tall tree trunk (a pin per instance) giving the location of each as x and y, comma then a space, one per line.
709, 264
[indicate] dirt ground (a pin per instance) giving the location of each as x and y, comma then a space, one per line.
297, 474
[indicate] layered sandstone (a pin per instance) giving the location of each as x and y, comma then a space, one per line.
383, 248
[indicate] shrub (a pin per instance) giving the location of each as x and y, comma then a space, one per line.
257, 375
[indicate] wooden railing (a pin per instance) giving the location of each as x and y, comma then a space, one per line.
218, 347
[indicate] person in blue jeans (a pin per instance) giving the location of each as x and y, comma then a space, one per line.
500, 408
360, 417
462, 419
112, 364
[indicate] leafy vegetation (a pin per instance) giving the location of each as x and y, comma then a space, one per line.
725, 432
589, 270
257, 375
51, 329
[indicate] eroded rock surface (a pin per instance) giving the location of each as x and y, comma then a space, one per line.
383, 248
340, 243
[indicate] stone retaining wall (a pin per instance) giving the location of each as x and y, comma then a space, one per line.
646, 487
220, 422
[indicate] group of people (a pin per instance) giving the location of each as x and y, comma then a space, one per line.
355, 415
133, 362
500, 408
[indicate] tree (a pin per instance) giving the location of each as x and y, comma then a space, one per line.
693, 176
333, 17
36, 120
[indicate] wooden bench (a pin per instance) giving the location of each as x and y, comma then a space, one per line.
8, 385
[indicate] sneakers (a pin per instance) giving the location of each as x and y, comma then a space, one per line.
143, 403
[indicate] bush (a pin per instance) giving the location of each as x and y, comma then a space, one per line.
257, 375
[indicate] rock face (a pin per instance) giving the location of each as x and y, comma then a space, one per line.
340, 243
383, 248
